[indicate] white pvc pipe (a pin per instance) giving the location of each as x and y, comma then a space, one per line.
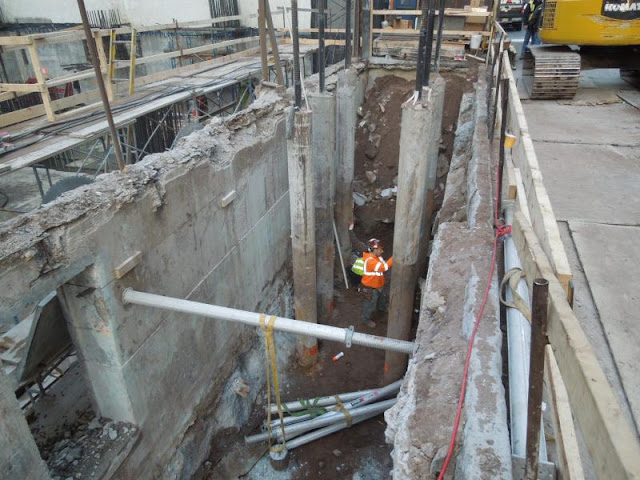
322, 401
299, 327
519, 353
323, 432
326, 419
363, 399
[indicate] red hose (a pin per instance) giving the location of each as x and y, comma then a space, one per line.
501, 230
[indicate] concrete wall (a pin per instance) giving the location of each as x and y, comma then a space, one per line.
170, 374
19, 456
250, 7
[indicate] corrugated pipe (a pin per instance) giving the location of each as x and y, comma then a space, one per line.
324, 332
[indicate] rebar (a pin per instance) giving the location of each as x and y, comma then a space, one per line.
296, 54
321, 44
439, 39
426, 66
347, 31
421, 45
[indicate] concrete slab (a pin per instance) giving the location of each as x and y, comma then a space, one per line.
596, 183
617, 124
609, 255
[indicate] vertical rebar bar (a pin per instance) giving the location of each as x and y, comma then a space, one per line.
441, 10
93, 51
421, 45
296, 54
347, 33
431, 16
536, 374
321, 44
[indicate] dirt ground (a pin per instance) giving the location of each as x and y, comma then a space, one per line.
361, 452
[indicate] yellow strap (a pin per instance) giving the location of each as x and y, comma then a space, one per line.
271, 366
345, 412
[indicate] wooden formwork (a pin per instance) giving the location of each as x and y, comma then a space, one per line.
52, 108
576, 384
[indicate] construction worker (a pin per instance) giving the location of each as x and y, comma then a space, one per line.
531, 20
372, 282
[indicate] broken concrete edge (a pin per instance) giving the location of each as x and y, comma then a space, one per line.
451, 298
39, 235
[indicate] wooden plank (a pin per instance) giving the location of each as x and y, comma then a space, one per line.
543, 219
19, 87
128, 265
28, 113
613, 446
448, 33
4, 96
569, 462
44, 92
23, 40
187, 51
314, 41
509, 187
448, 12
521, 195
71, 78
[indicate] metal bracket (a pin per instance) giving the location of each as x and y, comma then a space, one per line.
348, 336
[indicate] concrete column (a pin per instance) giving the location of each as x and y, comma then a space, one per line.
19, 455
323, 134
418, 122
346, 110
437, 85
302, 228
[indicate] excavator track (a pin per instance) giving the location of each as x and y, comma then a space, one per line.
555, 69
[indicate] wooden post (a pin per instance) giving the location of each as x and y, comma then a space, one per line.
263, 41
536, 374
104, 63
178, 47
274, 42
504, 89
132, 62
44, 91
112, 54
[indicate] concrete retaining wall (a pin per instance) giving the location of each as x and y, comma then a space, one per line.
420, 425
171, 374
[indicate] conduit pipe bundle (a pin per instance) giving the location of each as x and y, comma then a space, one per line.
519, 352
299, 327
365, 406
364, 398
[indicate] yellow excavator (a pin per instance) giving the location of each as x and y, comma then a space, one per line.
583, 34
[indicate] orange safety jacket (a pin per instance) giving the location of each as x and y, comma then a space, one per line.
374, 268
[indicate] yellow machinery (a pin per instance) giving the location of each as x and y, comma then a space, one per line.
601, 33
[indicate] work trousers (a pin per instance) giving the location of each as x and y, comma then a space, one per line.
375, 298
528, 36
